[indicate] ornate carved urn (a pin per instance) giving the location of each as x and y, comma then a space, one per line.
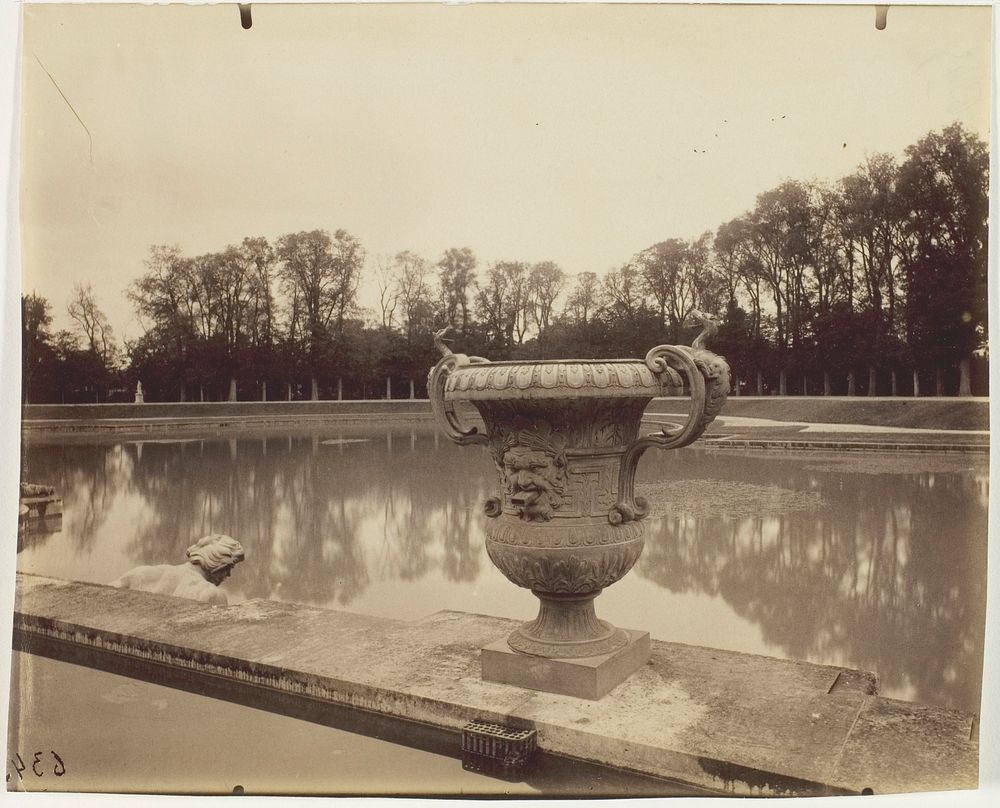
565, 438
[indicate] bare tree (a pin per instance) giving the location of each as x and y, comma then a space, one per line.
831, 284
782, 234
411, 276
388, 298
678, 276
457, 278
545, 283
870, 223
623, 289
321, 274
83, 309
661, 271
708, 283
582, 301
739, 267
258, 256
502, 302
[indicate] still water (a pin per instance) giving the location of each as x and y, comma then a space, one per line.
257, 751
873, 561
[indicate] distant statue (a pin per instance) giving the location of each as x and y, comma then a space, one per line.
139, 398
210, 561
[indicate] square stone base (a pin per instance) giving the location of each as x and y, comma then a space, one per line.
585, 678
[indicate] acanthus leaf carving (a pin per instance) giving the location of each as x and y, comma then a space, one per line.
565, 572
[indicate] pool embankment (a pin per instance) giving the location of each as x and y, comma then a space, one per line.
718, 720
913, 413
212, 417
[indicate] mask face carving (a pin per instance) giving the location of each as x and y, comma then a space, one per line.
534, 472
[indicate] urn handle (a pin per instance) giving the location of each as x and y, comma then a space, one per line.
708, 377
444, 411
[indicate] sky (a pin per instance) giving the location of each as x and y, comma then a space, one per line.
577, 134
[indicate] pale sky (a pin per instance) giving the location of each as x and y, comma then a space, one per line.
578, 134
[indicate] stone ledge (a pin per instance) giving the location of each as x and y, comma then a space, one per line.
719, 720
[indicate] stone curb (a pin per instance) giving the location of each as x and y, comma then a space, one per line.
729, 722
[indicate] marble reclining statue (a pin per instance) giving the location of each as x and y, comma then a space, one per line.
210, 561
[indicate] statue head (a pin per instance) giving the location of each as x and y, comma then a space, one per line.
216, 555
534, 470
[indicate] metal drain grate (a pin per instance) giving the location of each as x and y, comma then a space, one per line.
497, 750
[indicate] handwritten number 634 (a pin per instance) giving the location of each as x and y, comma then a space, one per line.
38, 765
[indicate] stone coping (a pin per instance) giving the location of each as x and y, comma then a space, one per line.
730, 722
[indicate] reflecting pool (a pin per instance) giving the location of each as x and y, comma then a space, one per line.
874, 561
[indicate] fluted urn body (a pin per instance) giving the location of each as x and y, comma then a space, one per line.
565, 439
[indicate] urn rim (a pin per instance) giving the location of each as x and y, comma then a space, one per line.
554, 378
532, 362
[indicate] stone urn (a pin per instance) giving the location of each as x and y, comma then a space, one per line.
565, 438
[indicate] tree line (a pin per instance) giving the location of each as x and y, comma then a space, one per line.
871, 285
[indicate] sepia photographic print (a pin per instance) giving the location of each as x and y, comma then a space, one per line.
500, 400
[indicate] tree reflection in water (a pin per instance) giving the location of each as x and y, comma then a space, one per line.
888, 575
309, 513
87, 477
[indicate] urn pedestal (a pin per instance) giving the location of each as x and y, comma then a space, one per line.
564, 436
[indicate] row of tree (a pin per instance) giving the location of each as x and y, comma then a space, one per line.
821, 287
